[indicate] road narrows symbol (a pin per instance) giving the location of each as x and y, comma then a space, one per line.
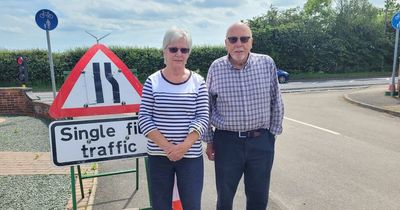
113, 82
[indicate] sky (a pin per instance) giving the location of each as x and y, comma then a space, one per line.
133, 23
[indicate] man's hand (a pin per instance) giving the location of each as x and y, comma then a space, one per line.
210, 151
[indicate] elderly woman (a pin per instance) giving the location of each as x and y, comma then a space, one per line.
173, 115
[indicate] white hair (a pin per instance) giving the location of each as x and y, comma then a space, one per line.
173, 34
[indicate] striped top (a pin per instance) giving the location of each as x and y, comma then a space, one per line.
245, 99
175, 109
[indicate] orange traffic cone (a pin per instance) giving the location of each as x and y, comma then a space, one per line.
176, 201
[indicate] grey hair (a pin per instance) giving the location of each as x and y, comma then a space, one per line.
175, 33
241, 24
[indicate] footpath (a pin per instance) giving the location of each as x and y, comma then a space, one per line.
374, 98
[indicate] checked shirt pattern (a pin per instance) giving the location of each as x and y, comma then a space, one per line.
246, 99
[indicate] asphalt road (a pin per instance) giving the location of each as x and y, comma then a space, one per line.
118, 192
335, 155
295, 86
332, 155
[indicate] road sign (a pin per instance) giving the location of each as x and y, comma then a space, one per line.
396, 21
76, 142
46, 19
99, 84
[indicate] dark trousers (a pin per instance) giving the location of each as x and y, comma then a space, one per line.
189, 173
236, 156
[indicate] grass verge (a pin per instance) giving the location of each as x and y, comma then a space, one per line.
347, 75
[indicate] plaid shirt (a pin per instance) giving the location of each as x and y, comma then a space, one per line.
246, 99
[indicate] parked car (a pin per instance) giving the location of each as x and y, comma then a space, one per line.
283, 76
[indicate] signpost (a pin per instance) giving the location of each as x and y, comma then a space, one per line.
395, 25
47, 20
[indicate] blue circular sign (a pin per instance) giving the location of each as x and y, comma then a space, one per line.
396, 21
46, 19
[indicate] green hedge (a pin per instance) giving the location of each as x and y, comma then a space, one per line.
144, 60
37, 64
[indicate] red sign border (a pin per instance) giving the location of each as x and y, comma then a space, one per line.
56, 110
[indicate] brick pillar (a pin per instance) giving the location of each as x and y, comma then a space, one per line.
14, 101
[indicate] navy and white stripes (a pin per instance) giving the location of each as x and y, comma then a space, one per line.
175, 110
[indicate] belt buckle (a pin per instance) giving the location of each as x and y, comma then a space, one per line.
242, 136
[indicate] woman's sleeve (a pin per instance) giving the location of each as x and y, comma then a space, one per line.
146, 123
200, 124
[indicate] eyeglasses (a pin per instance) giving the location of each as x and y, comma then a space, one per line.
175, 50
234, 39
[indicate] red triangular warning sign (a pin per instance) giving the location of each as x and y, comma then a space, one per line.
99, 84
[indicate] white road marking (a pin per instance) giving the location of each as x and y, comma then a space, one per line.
313, 126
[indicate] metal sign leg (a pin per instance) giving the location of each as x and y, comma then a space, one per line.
72, 173
80, 181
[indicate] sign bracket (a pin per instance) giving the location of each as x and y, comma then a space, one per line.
81, 177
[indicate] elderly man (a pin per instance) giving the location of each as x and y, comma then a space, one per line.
246, 113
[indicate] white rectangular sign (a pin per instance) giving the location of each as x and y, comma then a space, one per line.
75, 142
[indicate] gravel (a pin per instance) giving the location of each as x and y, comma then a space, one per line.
28, 134
24, 134
34, 192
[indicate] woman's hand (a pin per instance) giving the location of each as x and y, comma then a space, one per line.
178, 151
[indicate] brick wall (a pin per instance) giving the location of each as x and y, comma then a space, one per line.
14, 101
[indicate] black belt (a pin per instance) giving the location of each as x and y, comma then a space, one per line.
247, 134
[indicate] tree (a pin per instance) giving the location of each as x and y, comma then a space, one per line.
319, 37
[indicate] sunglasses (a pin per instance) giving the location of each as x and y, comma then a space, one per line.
234, 39
175, 50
